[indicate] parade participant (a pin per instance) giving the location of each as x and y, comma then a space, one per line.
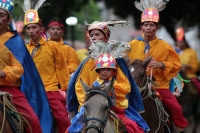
20, 28
19, 76
188, 58
75, 97
50, 63
56, 31
165, 63
106, 69
82, 53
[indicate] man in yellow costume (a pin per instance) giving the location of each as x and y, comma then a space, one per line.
188, 56
165, 63
19, 76
56, 31
50, 63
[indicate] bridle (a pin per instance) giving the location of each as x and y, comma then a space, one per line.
144, 87
144, 84
103, 123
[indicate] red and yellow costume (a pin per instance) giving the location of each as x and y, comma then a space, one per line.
14, 70
52, 67
161, 52
189, 58
14, 61
53, 70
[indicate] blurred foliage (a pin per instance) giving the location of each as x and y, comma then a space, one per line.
87, 14
62, 9
183, 12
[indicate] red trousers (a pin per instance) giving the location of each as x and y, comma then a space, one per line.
131, 126
175, 109
57, 104
196, 83
22, 105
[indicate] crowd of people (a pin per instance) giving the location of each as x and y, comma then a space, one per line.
40, 73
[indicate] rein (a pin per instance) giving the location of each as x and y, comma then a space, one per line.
163, 116
103, 123
8, 103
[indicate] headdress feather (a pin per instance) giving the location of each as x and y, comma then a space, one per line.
39, 4
32, 4
157, 4
116, 49
111, 23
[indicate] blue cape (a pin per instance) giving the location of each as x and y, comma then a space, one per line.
32, 85
72, 101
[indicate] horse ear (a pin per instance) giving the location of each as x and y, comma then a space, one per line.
85, 86
109, 86
147, 61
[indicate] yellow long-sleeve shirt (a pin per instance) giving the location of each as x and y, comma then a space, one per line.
161, 52
70, 55
9, 64
89, 75
51, 64
189, 57
81, 54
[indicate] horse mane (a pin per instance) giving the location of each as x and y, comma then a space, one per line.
136, 61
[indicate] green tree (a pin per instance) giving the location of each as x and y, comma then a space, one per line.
186, 11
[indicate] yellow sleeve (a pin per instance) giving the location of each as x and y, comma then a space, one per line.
121, 88
72, 60
192, 61
13, 72
88, 75
121, 84
80, 93
62, 71
172, 64
81, 54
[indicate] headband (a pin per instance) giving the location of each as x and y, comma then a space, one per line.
55, 23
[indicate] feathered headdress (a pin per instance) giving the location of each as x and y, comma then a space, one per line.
150, 9
103, 26
180, 34
114, 48
30, 8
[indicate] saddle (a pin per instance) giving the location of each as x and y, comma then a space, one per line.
118, 124
10, 113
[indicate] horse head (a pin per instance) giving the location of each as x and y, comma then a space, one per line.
97, 107
138, 71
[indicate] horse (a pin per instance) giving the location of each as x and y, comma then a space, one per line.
10, 119
97, 109
189, 100
155, 114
